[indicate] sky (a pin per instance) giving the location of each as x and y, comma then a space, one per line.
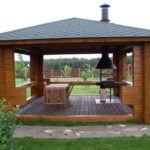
16, 14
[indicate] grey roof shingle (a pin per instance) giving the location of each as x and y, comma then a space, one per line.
74, 28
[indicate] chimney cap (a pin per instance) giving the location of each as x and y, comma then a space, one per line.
104, 5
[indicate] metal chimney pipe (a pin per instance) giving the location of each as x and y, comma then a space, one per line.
105, 16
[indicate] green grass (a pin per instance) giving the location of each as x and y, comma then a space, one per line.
85, 90
20, 81
130, 78
119, 143
48, 123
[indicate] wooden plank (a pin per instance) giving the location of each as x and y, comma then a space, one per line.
147, 82
87, 106
78, 118
28, 84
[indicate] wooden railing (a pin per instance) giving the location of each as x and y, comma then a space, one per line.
28, 85
127, 83
75, 83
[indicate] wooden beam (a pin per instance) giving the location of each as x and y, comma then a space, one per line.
80, 118
76, 40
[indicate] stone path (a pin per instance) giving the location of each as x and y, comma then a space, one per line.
115, 130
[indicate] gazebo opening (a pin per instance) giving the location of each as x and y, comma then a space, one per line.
83, 94
22, 72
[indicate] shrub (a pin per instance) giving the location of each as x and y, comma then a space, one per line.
7, 126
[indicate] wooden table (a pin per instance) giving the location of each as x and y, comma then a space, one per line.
56, 94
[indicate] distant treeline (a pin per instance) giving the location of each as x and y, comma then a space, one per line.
72, 62
59, 64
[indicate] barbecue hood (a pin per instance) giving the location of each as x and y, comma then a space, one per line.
105, 62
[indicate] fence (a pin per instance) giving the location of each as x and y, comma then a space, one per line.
58, 73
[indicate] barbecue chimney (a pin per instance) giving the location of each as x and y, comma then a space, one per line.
105, 62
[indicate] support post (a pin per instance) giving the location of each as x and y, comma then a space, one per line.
147, 82
36, 74
138, 81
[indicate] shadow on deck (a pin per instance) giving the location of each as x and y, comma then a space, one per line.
79, 105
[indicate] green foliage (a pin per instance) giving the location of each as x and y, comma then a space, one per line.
85, 75
58, 64
20, 70
67, 71
7, 126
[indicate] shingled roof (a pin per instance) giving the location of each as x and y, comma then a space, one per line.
74, 28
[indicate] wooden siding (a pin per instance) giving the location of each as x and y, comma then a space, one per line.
1, 74
12, 94
135, 94
147, 82
78, 118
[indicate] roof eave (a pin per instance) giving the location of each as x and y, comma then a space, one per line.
75, 40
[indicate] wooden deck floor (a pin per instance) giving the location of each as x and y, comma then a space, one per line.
79, 105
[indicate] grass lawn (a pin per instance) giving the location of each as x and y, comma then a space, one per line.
20, 81
119, 143
85, 90
48, 123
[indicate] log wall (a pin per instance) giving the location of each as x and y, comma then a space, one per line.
7, 79
134, 95
1, 73
147, 82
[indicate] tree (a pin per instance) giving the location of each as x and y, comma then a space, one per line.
67, 71
20, 67
85, 75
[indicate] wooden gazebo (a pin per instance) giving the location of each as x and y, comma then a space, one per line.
79, 36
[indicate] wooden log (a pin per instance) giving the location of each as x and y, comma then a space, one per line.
147, 82
80, 118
